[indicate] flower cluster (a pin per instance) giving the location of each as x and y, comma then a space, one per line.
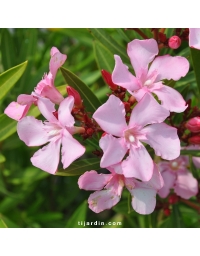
132, 125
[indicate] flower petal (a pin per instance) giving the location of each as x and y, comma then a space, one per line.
169, 67
169, 180
141, 53
171, 99
47, 158
47, 108
122, 77
102, 200
64, 112
163, 139
138, 164
148, 111
156, 180
71, 149
32, 131
111, 116
194, 38
186, 185
114, 150
26, 99
16, 111
93, 181
56, 61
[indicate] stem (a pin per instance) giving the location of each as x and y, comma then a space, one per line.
162, 30
193, 205
155, 34
139, 32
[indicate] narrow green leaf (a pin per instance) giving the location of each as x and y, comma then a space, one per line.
190, 152
104, 58
79, 167
176, 217
2, 224
10, 77
195, 54
105, 39
2, 158
79, 217
7, 50
91, 102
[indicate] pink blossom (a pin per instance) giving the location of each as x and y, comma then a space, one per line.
174, 42
56, 131
45, 88
109, 189
194, 38
176, 176
121, 138
141, 54
193, 124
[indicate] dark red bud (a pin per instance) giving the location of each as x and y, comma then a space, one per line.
194, 140
90, 131
77, 98
127, 106
107, 77
173, 199
167, 212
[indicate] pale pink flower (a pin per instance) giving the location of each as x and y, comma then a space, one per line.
149, 79
45, 88
194, 38
160, 136
109, 189
56, 131
176, 176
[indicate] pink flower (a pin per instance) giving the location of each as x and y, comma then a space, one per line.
141, 54
56, 131
194, 38
174, 42
176, 176
109, 189
160, 136
45, 88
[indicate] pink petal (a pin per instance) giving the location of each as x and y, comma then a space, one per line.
53, 51
169, 67
32, 131
102, 200
171, 99
163, 139
186, 185
93, 181
47, 108
71, 149
139, 94
148, 111
122, 77
64, 112
47, 158
194, 38
116, 185
111, 116
16, 111
53, 94
196, 161
116, 169
113, 149
156, 180
141, 53
169, 180
139, 164
56, 61
25, 99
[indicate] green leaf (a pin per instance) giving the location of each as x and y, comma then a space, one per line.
91, 102
7, 50
105, 39
190, 152
2, 158
176, 217
195, 54
2, 223
104, 58
79, 167
78, 216
10, 77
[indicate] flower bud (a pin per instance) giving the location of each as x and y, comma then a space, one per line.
194, 140
77, 98
173, 199
174, 42
193, 124
167, 212
107, 77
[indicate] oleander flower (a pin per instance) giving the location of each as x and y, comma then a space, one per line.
194, 38
149, 79
56, 131
122, 137
109, 188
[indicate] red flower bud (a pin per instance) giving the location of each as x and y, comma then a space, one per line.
107, 77
167, 211
127, 106
193, 124
77, 98
173, 199
174, 42
194, 139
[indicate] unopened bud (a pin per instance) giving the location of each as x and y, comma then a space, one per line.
193, 124
77, 98
127, 106
167, 212
194, 140
174, 42
90, 131
173, 199
107, 77
132, 100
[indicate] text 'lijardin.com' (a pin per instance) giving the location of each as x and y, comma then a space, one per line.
99, 223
